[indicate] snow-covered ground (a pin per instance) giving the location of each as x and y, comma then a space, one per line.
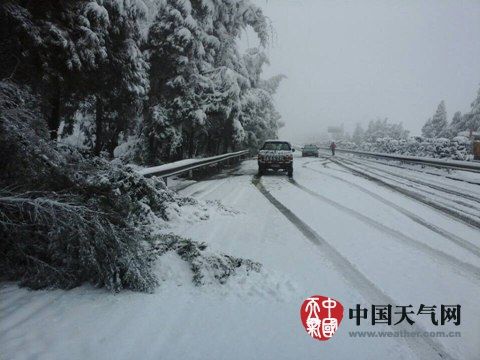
328, 231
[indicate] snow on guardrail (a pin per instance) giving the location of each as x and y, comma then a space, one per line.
182, 166
451, 164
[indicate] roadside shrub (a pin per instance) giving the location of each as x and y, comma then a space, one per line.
88, 220
28, 158
49, 241
458, 148
84, 220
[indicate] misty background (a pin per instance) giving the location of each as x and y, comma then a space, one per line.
354, 61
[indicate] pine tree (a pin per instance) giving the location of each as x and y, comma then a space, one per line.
185, 90
473, 117
427, 130
454, 127
437, 124
358, 134
456, 120
198, 79
177, 55
120, 83
379, 128
51, 46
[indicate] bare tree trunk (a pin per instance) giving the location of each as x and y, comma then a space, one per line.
228, 134
53, 121
98, 126
113, 143
191, 142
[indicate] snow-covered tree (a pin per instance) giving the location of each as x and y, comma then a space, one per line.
437, 124
473, 117
178, 58
454, 127
427, 129
382, 128
120, 84
358, 134
52, 46
198, 78
178, 80
111, 68
456, 122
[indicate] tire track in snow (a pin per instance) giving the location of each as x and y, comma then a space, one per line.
397, 235
411, 183
416, 196
223, 175
29, 312
444, 233
325, 163
425, 347
208, 188
439, 186
375, 161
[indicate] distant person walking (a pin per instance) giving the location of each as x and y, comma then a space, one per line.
332, 147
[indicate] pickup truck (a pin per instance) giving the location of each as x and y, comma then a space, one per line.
275, 155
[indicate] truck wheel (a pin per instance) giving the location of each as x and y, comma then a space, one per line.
290, 171
261, 171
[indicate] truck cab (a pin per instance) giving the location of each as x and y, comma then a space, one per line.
276, 155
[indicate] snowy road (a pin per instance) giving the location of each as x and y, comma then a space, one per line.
361, 231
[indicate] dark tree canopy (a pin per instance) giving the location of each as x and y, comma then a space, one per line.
174, 80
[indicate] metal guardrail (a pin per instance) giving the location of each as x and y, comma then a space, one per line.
449, 164
171, 169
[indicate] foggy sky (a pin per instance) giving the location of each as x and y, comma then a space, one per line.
352, 61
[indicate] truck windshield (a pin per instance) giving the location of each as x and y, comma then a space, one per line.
276, 146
